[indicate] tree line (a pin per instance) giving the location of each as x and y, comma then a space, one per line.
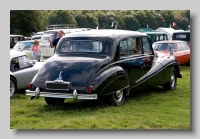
25, 22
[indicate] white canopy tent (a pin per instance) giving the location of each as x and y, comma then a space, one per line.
168, 31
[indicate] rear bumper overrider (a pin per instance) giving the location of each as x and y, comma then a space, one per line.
74, 95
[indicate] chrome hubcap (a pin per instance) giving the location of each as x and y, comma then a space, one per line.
12, 88
172, 80
119, 95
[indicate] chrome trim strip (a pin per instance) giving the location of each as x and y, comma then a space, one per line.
62, 95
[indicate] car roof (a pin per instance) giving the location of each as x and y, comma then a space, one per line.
14, 53
170, 41
154, 32
112, 33
181, 32
16, 36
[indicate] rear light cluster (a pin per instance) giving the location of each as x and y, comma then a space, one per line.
89, 89
30, 86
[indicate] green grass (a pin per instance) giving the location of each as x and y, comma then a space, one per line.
149, 109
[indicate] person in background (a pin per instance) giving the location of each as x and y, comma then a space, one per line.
55, 41
36, 51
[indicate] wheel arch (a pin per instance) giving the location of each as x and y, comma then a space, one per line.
110, 80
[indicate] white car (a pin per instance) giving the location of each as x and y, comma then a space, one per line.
22, 71
25, 46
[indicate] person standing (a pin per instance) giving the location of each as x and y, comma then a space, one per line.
36, 51
55, 41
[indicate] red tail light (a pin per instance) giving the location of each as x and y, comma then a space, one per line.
90, 88
30, 86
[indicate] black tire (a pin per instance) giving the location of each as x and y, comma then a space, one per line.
13, 86
188, 63
54, 101
118, 98
171, 85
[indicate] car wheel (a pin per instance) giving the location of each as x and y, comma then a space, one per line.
188, 63
171, 85
54, 101
13, 86
118, 98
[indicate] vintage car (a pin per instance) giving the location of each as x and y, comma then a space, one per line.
103, 65
182, 36
26, 47
181, 50
14, 39
22, 71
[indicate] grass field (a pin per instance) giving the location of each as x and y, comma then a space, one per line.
149, 109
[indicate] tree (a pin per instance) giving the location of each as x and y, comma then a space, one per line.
25, 22
142, 18
131, 23
61, 17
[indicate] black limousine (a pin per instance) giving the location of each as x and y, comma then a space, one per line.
102, 64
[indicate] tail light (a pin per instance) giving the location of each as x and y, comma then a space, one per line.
30, 86
90, 88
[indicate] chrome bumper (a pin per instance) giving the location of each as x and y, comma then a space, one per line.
74, 95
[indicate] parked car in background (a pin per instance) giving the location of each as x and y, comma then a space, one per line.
14, 39
182, 35
102, 64
157, 36
154, 35
51, 34
181, 50
26, 47
22, 71
37, 35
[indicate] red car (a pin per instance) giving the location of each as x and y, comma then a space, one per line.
181, 50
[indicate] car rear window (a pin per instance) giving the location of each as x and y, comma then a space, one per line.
82, 46
181, 36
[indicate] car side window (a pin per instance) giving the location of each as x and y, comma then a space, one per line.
165, 37
20, 63
186, 47
24, 62
161, 37
14, 64
134, 45
180, 46
146, 45
158, 38
123, 48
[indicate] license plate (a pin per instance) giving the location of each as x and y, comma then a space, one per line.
51, 85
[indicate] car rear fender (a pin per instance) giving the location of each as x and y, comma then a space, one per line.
11, 74
110, 80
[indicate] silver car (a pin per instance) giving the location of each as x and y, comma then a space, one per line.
22, 71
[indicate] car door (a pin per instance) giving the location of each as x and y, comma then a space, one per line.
148, 53
23, 71
137, 67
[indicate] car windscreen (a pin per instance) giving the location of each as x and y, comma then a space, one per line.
164, 46
23, 45
48, 35
82, 46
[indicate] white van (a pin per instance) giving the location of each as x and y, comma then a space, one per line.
45, 48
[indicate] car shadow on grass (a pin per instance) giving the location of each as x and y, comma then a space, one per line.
80, 105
